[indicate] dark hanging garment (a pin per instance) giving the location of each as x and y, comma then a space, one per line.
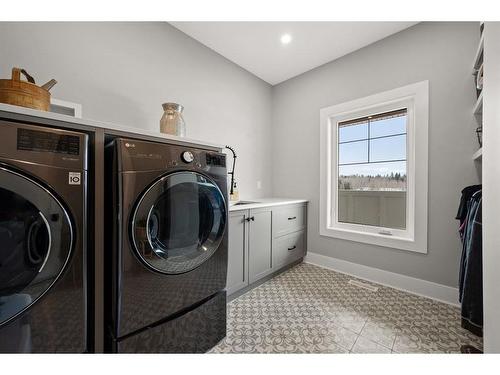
471, 273
463, 207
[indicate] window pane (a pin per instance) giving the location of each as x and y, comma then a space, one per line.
373, 194
353, 152
390, 126
379, 176
389, 148
353, 132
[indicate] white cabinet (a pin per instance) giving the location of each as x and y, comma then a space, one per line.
263, 241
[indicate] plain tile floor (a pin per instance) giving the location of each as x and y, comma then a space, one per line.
309, 309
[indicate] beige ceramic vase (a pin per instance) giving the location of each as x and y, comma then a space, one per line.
172, 121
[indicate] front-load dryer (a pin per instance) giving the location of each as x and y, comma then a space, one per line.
42, 239
167, 241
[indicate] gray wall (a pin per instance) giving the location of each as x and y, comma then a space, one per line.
439, 52
123, 72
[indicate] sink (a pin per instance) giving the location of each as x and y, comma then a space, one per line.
241, 203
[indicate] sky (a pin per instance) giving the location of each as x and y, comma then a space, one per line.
382, 149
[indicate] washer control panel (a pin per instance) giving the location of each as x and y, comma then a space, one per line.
187, 157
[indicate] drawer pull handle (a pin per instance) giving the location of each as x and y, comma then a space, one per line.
293, 247
292, 218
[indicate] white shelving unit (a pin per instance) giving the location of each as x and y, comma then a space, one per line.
479, 54
478, 107
478, 155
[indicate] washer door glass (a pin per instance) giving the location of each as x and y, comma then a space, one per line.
179, 222
35, 242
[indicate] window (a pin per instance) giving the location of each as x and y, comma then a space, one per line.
374, 169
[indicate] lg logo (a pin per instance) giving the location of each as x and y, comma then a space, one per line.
74, 178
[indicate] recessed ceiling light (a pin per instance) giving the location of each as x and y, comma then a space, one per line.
286, 38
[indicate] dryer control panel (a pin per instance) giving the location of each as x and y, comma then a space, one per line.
138, 155
216, 160
187, 157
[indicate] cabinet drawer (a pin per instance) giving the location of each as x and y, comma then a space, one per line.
288, 219
289, 248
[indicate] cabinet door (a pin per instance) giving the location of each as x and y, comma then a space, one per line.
260, 244
237, 268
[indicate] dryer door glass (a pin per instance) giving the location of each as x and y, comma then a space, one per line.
179, 222
35, 242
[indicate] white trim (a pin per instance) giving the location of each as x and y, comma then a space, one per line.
415, 98
429, 289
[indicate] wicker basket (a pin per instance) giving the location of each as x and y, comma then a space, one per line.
25, 93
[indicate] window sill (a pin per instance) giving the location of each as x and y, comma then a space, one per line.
394, 242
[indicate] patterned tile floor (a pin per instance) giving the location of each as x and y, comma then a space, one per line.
309, 309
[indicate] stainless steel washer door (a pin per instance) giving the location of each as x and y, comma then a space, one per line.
179, 222
35, 242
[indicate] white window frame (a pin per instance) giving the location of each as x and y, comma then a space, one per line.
415, 98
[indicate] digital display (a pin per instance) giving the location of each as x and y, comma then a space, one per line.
34, 140
217, 160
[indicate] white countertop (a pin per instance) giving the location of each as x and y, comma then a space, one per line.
100, 124
263, 202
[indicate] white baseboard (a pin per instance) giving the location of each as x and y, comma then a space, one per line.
408, 284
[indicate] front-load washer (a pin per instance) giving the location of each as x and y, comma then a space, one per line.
167, 241
42, 239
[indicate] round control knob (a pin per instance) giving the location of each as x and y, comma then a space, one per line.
187, 156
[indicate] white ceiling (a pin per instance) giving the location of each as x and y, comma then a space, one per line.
256, 46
